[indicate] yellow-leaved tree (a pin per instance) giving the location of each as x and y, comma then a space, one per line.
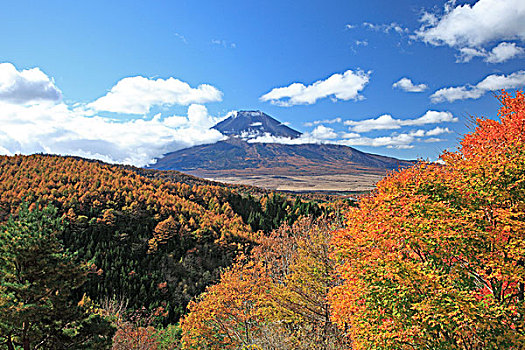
273, 299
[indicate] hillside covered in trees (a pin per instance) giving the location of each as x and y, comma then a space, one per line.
152, 244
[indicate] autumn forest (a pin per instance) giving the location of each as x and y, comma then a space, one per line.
100, 256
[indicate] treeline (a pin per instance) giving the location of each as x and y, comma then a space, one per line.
261, 208
270, 211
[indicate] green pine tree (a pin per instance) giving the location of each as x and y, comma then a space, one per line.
37, 283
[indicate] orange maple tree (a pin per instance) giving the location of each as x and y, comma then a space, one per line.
435, 257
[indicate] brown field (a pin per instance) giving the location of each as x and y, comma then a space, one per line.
305, 183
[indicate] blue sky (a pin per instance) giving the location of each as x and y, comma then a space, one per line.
126, 81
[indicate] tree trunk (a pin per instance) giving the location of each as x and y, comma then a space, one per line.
25, 336
10, 345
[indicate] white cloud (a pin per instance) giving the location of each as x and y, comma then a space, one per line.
417, 133
452, 94
324, 133
386, 28
324, 121
386, 122
198, 117
305, 138
437, 131
137, 95
428, 19
431, 117
224, 43
60, 129
503, 52
466, 54
475, 25
433, 139
181, 37
350, 135
320, 135
33, 121
490, 83
497, 82
344, 87
407, 85
349, 26
400, 141
361, 42
26, 86
470, 28
433, 132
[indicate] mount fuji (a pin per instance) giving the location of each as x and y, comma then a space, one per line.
242, 159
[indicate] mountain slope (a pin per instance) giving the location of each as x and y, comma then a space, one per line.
238, 157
